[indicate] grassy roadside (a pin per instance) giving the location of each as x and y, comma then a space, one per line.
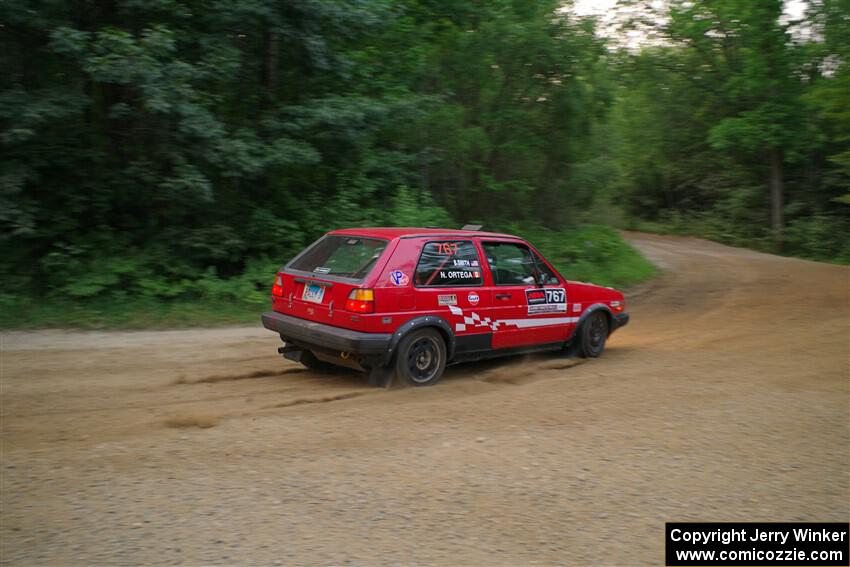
127, 314
594, 253
812, 238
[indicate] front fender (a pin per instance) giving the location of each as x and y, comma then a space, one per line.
417, 323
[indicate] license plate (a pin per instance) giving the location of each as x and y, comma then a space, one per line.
313, 293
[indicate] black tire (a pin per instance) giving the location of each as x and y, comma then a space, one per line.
593, 334
309, 360
421, 358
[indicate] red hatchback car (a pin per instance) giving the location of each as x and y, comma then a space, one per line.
409, 301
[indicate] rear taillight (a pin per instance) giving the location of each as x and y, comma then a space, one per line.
361, 301
277, 288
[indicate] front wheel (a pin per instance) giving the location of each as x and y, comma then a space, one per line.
421, 358
594, 333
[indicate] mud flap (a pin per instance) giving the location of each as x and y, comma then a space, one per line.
380, 376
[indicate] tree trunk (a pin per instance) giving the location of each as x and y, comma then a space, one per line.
776, 196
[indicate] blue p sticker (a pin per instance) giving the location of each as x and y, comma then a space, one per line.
399, 278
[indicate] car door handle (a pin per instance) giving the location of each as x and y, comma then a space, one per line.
503, 296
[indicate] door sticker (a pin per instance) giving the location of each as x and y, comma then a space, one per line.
546, 300
448, 299
472, 298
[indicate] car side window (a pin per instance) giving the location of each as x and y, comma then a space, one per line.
510, 263
544, 270
445, 263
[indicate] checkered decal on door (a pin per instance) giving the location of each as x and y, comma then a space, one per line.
474, 320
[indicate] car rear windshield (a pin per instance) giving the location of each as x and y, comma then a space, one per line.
342, 256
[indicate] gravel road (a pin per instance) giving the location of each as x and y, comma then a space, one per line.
726, 398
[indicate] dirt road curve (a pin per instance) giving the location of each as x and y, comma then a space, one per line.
726, 398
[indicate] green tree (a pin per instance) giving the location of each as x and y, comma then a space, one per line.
759, 86
830, 94
147, 146
731, 104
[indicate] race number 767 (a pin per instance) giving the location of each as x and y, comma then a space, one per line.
555, 296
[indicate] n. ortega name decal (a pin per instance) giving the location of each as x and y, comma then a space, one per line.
397, 277
546, 300
458, 275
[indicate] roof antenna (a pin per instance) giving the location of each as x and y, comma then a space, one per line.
472, 227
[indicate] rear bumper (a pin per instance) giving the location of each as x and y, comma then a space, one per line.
620, 320
325, 337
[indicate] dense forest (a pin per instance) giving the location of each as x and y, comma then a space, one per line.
175, 149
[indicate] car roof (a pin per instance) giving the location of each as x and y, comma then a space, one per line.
410, 232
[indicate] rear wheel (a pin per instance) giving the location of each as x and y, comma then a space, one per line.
421, 358
594, 333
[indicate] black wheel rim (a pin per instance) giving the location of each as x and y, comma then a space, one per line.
423, 359
597, 333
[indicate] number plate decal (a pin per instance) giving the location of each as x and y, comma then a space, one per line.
546, 300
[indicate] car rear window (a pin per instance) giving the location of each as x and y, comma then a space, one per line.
447, 263
342, 256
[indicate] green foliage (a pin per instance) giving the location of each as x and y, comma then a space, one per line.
593, 253
589, 253
174, 150
733, 104
815, 237
179, 151
812, 237
136, 313
827, 99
